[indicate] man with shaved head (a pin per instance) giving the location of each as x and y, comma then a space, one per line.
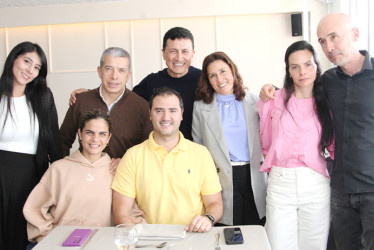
350, 91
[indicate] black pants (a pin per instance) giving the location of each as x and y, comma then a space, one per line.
17, 179
353, 219
245, 211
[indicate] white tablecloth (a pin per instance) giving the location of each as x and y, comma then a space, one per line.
254, 238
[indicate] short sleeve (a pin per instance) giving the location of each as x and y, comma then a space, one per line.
124, 179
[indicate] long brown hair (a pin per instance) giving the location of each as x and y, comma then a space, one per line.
205, 90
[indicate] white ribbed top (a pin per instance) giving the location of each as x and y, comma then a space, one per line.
21, 133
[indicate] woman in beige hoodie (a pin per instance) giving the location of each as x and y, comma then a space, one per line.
75, 190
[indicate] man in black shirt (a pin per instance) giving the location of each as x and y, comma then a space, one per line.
350, 91
178, 51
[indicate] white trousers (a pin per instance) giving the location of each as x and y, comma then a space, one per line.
297, 209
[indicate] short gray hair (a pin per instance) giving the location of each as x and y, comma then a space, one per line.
115, 52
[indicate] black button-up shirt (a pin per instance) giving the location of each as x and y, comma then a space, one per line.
352, 104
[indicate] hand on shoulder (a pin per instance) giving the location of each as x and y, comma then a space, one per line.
73, 95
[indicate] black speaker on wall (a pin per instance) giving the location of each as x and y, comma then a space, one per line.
297, 26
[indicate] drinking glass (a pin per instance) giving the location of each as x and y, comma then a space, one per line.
125, 235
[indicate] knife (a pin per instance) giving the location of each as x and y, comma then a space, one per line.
90, 238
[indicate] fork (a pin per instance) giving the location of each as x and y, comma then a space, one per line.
218, 235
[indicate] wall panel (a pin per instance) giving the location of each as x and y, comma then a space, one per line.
257, 44
62, 84
316, 14
146, 46
118, 34
203, 30
35, 34
3, 52
140, 9
76, 47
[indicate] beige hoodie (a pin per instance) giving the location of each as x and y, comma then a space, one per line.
72, 191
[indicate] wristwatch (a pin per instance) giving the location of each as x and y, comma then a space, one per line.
211, 218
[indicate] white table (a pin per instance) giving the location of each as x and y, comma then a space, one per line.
254, 238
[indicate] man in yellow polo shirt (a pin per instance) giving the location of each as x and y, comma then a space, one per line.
173, 179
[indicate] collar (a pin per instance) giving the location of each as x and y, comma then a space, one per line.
367, 65
225, 98
179, 79
112, 105
181, 146
367, 62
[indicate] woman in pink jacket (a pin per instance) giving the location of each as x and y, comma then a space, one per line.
296, 130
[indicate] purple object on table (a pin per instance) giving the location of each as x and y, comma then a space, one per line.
77, 238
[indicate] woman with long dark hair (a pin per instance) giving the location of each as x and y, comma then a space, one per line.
29, 136
296, 131
225, 120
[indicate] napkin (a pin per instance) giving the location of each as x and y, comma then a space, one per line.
160, 232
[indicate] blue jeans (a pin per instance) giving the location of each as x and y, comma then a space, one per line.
353, 220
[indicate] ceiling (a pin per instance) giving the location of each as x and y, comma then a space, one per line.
28, 3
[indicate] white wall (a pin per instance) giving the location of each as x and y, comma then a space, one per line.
254, 33
140, 9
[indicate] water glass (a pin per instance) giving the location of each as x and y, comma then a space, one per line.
125, 235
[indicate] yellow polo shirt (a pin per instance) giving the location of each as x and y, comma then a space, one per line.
167, 186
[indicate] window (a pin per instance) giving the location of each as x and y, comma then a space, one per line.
362, 12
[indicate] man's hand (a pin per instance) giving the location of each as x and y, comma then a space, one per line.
199, 224
214, 206
73, 95
114, 165
267, 92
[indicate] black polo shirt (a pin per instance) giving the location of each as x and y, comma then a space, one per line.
352, 104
